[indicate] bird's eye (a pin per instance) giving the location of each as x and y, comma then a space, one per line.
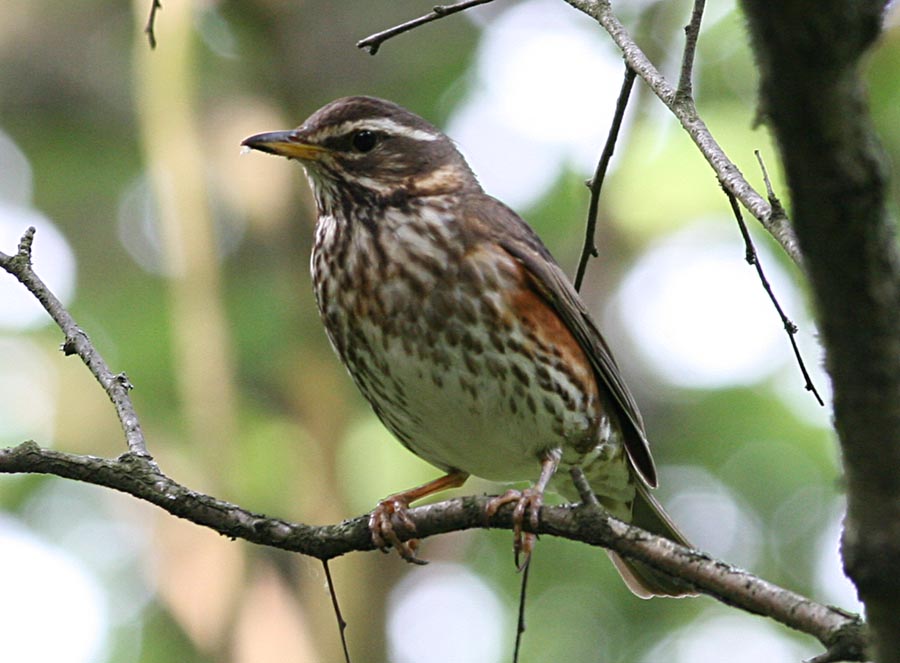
364, 141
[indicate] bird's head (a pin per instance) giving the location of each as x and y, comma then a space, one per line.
363, 147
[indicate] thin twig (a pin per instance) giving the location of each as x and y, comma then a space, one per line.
520, 622
374, 42
342, 624
774, 201
691, 33
77, 342
150, 28
753, 259
596, 183
686, 112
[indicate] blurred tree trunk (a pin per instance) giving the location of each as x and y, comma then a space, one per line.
813, 97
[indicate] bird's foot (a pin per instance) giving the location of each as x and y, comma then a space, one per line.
527, 502
389, 518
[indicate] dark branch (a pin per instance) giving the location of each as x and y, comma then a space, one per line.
590, 524
374, 42
814, 91
341, 622
523, 595
691, 34
596, 183
150, 28
752, 258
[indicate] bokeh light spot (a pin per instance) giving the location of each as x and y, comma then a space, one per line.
431, 609
545, 93
711, 516
698, 314
732, 638
53, 609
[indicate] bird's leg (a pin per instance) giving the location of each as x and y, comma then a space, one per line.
390, 515
529, 500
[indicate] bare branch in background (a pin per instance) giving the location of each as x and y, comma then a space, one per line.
681, 106
150, 28
77, 342
523, 595
691, 34
686, 112
777, 207
374, 42
752, 258
341, 622
596, 183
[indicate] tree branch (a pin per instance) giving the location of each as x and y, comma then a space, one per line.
596, 183
341, 622
150, 27
136, 476
374, 42
752, 258
678, 101
77, 342
684, 109
814, 98
691, 34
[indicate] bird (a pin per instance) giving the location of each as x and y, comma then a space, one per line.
462, 331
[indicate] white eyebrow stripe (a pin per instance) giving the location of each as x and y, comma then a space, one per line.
383, 124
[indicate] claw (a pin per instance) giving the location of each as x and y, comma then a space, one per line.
389, 518
528, 501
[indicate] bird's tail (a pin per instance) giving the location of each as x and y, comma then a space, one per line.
642, 579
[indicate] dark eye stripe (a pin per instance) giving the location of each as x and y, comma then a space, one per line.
356, 141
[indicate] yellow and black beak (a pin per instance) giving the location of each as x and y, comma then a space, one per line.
288, 144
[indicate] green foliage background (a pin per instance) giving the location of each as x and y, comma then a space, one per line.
281, 429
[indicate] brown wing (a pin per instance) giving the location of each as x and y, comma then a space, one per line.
492, 220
